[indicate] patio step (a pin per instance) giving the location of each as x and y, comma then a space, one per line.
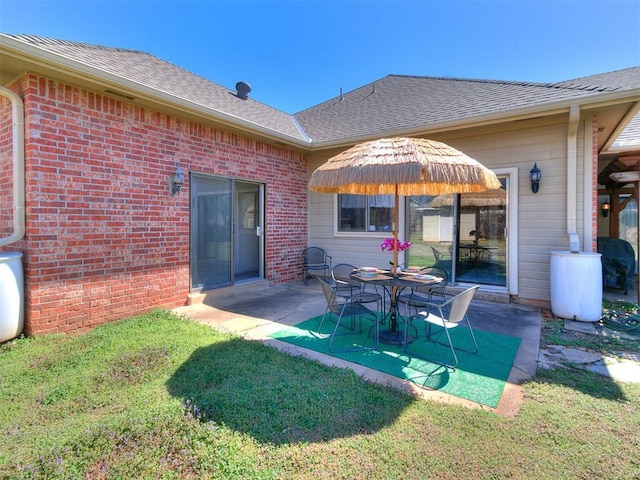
486, 295
227, 292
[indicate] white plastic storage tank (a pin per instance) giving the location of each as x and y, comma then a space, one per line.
576, 285
11, 295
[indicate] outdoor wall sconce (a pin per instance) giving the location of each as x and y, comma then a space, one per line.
534, 176
605, 207
176, 181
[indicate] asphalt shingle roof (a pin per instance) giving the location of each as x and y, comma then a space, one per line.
150, 71
399, 102
395, 103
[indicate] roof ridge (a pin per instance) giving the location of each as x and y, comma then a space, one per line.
423, 77
564, 84
612, 72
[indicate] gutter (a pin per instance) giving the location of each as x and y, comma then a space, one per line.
572, 162
60, 64
18, 167
524, 113
67, 66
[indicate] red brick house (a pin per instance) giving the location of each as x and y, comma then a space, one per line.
106, 129
104, 236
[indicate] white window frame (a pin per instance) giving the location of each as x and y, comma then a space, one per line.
363, 233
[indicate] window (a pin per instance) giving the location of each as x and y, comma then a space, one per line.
248, 212
362, 213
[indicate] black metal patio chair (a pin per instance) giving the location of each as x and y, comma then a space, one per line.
342, 308
315, 260
349, 288
420, 296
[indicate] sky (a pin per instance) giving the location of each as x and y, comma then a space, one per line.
298, 53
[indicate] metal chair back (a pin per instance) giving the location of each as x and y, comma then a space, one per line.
459, 305
451, 314
347, 309
315, 259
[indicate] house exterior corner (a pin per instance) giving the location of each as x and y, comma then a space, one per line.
104, 238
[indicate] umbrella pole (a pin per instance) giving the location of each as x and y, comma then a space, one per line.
394, 270
395, 234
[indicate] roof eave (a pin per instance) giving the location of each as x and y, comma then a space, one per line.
71, 68
48, 61
536, 111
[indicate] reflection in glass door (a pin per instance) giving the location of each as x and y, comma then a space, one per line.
466, 235
248, 240
226, 231
482, 245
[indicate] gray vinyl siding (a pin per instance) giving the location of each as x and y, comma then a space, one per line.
358, 250
542, 217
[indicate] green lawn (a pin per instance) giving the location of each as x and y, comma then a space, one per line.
160, 397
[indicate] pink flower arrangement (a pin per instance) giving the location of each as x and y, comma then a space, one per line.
387, 245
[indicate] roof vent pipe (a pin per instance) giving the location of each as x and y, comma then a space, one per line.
18, 167
242, 90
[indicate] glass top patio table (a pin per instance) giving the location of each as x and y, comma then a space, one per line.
394, 285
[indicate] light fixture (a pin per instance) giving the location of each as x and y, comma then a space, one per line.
176, 181
605, 207
534, 176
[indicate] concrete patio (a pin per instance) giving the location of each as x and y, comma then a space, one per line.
254, 313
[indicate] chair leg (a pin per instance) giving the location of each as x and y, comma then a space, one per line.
427, 330
335, 330
351, 327
453, 350
322, 321
406, 334
408, 320
473, 337
334, 335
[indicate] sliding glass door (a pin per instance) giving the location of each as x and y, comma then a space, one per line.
226, 231
464, 234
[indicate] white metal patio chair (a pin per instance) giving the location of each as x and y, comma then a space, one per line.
343, 308
450, 315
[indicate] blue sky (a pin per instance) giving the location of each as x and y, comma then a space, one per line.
298, 53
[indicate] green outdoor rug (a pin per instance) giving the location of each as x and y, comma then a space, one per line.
478, 377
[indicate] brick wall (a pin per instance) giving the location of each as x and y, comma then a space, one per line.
104, 238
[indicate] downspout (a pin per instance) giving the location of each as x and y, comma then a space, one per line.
18, 167
588, 187
572, 180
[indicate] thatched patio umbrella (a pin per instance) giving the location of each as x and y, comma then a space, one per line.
402, 166
490, 198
